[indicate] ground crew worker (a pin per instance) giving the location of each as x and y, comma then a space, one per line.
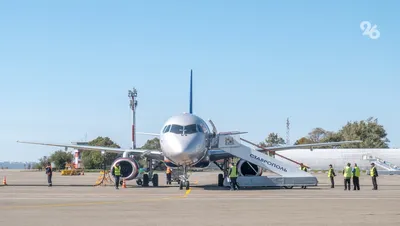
347, 176
331, 175
168, 172
49, 172
374, 174
356, 177
302, 167
116, 172
233, 174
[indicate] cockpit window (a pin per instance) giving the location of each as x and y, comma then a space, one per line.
189, 129
166, 129
200, 129
176, 129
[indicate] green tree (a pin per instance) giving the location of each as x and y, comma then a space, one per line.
273, 139
60, 158
317, 134
369, 131
153, 144
303, 140
94, 159
43, 161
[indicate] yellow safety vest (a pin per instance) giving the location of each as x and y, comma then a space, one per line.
347, 172
303, 168
357, 171
371, 172
233, 172
117, 170
330, 172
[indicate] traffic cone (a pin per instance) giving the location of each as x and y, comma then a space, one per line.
4, 180
123, 184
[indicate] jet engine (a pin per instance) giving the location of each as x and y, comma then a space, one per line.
129, 168
246, 168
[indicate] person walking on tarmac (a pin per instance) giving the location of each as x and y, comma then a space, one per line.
356, 177
116, 172
233, 174
331, 175
168, 172
49, 172
374, 174
347, 176
302, 167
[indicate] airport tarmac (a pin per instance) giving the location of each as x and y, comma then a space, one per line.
73, 200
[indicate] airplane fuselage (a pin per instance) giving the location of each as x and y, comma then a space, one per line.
184, 140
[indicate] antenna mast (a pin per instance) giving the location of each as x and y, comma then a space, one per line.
132, 94
287, 131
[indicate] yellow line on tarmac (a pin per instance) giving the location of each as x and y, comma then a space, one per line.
187, 192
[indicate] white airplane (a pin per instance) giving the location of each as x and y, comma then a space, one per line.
186, 142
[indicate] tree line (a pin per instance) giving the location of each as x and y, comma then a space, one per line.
370, 132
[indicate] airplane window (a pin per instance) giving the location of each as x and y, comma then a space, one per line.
166, 129
189, 129
176, 129
200, 129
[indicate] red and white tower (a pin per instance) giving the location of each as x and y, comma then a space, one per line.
132, 94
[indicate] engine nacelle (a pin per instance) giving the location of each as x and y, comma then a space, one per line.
129, 168
246, 168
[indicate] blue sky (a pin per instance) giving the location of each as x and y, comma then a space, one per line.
66, 68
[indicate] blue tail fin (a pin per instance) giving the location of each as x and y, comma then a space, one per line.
191, 94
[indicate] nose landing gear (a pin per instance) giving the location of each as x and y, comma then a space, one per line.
184, 180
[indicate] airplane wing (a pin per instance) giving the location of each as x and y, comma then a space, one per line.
151, 134
217, 154
281, 148
156, 154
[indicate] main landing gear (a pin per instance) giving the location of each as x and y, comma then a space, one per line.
224, 168
184, 180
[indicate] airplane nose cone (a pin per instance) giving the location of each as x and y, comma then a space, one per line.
184, 148
187, 145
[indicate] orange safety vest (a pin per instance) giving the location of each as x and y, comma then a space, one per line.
168, 170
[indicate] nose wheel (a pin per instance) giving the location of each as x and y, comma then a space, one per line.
183, 184
184, 180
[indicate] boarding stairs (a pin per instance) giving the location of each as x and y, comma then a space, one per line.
290, 175
382, 163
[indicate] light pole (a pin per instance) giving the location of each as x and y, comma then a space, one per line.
132, 94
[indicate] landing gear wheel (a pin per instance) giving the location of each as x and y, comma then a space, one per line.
288, 187
121, 182
154, 180
180, 185
145, 180
139, 182
187, 185
220, 180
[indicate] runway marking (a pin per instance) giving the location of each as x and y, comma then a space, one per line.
187, 192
